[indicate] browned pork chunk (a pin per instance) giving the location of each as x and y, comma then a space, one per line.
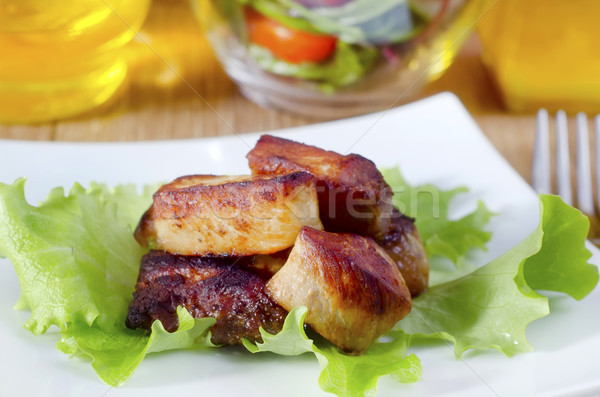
206, 287
353, 196
230, 215
353, 291
265, 265
403, 244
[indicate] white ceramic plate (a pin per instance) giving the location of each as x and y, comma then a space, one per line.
434, 141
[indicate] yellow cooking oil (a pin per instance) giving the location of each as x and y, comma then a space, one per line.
544, 53
61, 58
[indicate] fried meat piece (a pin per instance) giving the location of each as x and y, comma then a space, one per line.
265, 265
206, 287
340, 179
353, 291
353, 196
403, 244
230, 215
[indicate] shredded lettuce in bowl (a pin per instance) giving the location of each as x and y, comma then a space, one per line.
366, 33
355, 22
77, 265
347, 66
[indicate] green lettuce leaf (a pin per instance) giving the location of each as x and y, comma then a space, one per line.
358, 375
77, 264
74, 289
492, 306
117, 351
562, 263
128, 199
290, 341
341, 374
441, 235
74, 258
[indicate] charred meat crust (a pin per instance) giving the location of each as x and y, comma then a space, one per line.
209, 215
343, 180
265, 266
353, 196
356, 288
354, 269
206, 287
353, 291
404, 246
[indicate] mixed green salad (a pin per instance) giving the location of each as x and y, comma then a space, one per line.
77, 264
334, 43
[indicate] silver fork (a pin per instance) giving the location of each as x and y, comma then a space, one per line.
541, 171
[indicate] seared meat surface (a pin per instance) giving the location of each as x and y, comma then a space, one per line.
244, 249
210, 215
403, 244
206, 287
265, 265
353, 290
342, 181
353, 196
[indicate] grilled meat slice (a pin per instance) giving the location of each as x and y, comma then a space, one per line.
230, 215
353, 291
265, 265
353, 196
342, 178
206, 287
403, 244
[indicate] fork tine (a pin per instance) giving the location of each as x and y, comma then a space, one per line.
540, 173
563, 164
585, 195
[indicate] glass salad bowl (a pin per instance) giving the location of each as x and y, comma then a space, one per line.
335, 58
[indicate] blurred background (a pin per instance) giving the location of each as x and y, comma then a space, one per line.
508, 59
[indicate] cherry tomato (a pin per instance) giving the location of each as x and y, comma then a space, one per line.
290, 45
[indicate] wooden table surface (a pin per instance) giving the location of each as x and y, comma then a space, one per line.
177, 90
